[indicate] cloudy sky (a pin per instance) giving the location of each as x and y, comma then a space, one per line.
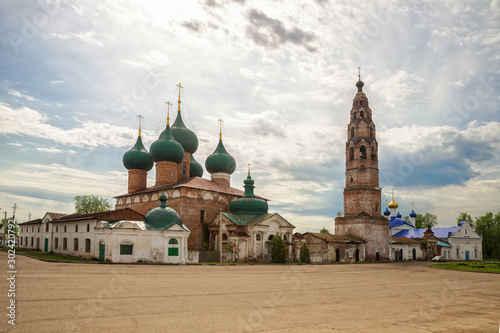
74, 75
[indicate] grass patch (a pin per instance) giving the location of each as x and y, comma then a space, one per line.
48, 256
485, 267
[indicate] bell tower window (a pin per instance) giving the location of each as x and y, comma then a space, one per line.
371, 132
351, 153
352, 132
362, 152
361, 114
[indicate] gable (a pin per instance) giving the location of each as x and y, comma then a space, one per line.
267, 219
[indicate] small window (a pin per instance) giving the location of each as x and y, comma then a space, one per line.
285, 238
352, 179
126, 249
175, 241
475, 253
56, 243
65, 243
258, 237
87, 245
88, 227
352, 132
361, 114
46, 227
458, 253
38, 229
202, 216
76, 228
171, 175
57, 228
184, 168
224, 237
32, 241
270, 238
376, 207
466, 231
351, 153
64, 228
371, 132
75, 244
21, 241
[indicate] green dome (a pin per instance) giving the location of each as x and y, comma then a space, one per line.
162, 217
184, 135
249, 203
166, 148
137, 157
220, 161
196, 170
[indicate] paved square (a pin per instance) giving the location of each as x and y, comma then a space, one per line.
60, 297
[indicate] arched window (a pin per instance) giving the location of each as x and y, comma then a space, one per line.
285, 238
75, 244
361, 114
351, 153
76, 228
258, 237
32, 241
224, 237
352, 132
65, 243
371, 132
173, 247
87, 245
270, 238
126, 248
88, 227
352, 179
46, 227
362, 152
57, 228
184, 168
466, 231
374, 154
64, 228
56, 243
21, 241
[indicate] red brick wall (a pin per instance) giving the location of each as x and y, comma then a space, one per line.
166, 173
137, 180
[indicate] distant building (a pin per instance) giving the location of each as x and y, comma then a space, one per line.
335, 248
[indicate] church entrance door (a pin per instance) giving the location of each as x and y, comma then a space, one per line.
466, 255
357, 254
46, 245
414, 254
337, 255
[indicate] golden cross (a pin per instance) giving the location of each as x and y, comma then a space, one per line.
140, 118
249, 168
168, 112
359, 73
179, 101
220, 128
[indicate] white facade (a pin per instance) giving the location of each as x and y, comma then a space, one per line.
466, 242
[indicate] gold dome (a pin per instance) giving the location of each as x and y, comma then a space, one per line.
393, 204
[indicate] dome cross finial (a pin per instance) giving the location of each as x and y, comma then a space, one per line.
359, 73
220, 128
179, 101
168, 112
140, 119
249, 169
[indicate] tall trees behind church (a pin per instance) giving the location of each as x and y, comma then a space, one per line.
423, 221
488, 226
88, 204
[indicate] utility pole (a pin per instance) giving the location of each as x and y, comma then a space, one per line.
14, 213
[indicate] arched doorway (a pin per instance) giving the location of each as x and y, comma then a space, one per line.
414, 254
337, 255
357, 254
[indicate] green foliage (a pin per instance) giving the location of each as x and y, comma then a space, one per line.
488, 226
88, 204
205, 247
324, 231
229, 246
305, 256
4, 224
339, 213
424, 221
489, 267
278, 250
464, 217
407, 219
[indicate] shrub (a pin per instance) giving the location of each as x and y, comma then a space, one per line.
305, 256
205, 247
278, 250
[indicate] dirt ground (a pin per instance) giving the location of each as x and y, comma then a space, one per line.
69, 297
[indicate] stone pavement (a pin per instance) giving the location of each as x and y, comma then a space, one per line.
398, 297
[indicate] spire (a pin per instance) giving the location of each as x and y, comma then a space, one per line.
220, 129
168, 112
140, 118
179, 101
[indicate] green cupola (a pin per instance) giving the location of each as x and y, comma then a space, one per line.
249, 203
220, 161
138, 157
166, 148
196, 170
162, 217
182, 134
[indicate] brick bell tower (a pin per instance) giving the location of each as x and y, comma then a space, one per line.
362, 194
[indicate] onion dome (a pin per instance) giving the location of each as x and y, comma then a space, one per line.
166, 148
220, 160
184, 135
195, 169
413, 214
162, 217
387, 212
398, 215
249, 203
137, 157
393, 204
360, 85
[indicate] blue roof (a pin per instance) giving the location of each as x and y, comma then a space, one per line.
419, 233
387, 212
444, 244
413, 214
396, 222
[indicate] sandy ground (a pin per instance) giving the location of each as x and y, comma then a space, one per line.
59, 297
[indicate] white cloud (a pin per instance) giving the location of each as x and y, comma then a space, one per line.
57, 82
20, 95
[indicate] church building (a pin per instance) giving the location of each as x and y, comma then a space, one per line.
362, 195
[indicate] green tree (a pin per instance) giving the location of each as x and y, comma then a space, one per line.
426, 220
278, 250
339, 213
407, 219
324, 231
4, 223
464, 217
305, 256
488, 226
88, 204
